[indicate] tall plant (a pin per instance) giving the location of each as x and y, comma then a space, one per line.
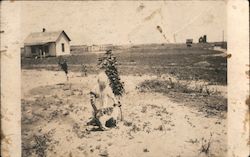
108, 62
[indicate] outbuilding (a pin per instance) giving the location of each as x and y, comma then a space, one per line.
189, 42
43, 44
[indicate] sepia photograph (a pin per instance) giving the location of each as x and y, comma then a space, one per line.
123, 78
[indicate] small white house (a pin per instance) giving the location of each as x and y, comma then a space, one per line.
42, 44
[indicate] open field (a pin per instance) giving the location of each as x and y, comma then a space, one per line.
184, 117
185, 64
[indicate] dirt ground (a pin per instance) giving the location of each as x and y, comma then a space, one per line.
55, 113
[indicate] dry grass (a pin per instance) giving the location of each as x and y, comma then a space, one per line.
185, 64
206, 100
37, 144
206, 145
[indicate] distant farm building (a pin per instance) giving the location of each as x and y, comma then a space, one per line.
93, 48
203, 39
78, 49
189, 42
42, 44
96, 48
106, 47
219, 45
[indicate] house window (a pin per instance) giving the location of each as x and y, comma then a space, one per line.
63, 47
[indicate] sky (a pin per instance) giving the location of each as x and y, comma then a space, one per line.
126, 22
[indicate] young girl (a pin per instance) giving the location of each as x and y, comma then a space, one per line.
105, 104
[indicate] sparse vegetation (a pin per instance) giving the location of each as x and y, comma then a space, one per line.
180, 63
175, 97
200, 96
206, 145
39, 145
64, 66
84, 70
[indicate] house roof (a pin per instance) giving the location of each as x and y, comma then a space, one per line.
40, 38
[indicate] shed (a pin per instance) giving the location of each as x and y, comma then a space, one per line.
94, 48
189, 42
42, 44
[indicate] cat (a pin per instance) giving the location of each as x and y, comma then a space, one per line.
106, 117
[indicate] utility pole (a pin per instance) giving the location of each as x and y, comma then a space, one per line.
223, 36
174, 37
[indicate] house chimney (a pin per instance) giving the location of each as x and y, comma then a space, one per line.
44, 29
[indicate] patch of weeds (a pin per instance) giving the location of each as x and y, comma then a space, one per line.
193, 141
126, 123
53, 115
84, 70
166, 86
160, 128
38, 144
200, 96
79, 131
135, 128
144, 109
206, 145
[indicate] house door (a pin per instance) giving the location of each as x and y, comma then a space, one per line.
45, 50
